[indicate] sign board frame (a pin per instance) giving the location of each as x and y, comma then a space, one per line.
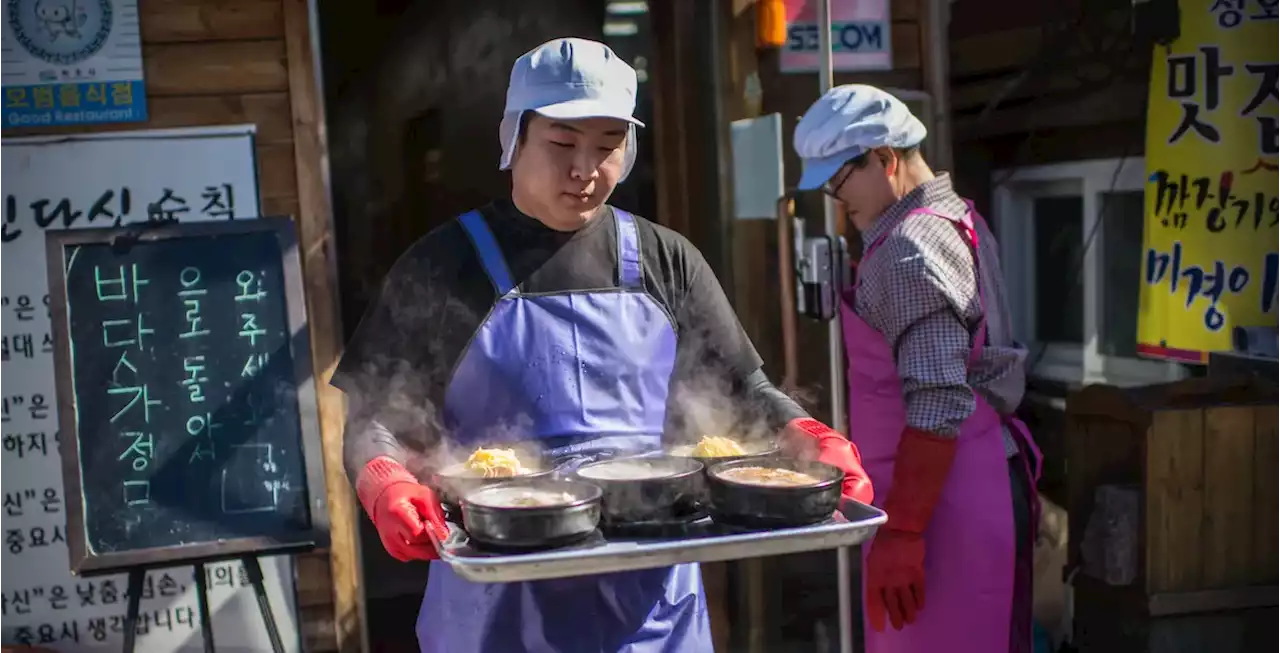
85, 562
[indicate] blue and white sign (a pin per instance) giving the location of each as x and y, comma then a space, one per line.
72, 62
860, 36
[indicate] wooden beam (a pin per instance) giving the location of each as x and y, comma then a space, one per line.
1064, 78
219, 67
933, 42
178, 21
904, 10
1094, 141
978, 17
315, 626
1114, 104
319, 262
280, 206
1002, 50
670, 140
315, 584
906, 45
269, 111
276, 174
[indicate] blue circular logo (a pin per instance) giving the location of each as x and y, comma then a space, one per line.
60, 32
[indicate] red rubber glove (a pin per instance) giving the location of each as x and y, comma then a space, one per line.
406, 513
895, 562
809, 439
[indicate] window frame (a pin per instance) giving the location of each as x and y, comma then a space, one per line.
1013, 193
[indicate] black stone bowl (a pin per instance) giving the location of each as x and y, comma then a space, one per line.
493, 523
453, 482
752, 505
662, 488
754, 450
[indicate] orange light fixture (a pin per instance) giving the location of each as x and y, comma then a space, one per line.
771, 23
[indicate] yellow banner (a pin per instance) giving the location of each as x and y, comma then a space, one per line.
1210, 236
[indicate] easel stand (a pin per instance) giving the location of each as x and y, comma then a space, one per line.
138, 574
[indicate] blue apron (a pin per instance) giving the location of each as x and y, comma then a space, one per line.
586, 372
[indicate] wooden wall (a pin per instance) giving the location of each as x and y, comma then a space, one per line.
223, 62
1199, 458
1043, 82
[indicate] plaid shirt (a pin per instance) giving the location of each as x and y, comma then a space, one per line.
919, 290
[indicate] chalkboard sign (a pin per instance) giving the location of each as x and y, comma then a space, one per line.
185, 392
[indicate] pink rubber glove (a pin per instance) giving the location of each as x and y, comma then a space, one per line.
809, 439
406, 513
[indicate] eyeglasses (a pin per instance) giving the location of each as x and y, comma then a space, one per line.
830, 190
855, 163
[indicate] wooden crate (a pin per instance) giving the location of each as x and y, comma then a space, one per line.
1202, 456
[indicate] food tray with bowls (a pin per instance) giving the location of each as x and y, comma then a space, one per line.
651, 510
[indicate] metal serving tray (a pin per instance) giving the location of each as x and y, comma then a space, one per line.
700, 541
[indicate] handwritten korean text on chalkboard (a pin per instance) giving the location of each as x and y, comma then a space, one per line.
186, 400
128, 386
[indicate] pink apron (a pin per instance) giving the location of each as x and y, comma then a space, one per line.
970, 548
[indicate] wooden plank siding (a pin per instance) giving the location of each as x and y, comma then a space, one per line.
227, 62
1201, 455
1036, 83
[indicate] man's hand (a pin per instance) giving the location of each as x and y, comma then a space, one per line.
406, 513
809, 439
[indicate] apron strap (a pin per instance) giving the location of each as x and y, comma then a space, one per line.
495, 265
630, 274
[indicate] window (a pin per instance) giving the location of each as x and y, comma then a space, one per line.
1071, 247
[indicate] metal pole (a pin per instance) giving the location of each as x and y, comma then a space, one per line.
835, 342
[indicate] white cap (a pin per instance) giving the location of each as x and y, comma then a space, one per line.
569, 79
846, 122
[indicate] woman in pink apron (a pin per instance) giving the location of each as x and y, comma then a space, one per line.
932, 387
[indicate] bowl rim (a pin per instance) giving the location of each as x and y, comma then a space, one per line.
450, 472
586, 493
696, 468
837, 474
773, 449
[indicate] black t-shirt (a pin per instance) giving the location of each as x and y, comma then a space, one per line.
398, 364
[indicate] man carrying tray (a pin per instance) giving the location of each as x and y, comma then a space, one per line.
934, 378
554, 317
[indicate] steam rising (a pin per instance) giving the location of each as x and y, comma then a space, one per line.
414, 340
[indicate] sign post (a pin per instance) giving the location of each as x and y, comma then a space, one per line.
835, 340
1209, 239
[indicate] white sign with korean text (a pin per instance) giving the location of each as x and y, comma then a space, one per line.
100, 181
860, 36
72, 62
